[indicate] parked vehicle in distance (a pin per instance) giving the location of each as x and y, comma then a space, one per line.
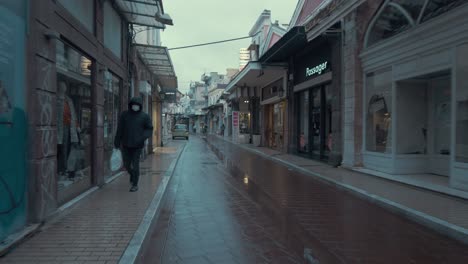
180, 130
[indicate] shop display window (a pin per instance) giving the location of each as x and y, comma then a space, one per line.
442, 115
379, 111
244, 123
73, 116
278, 120
112, 109
462, 128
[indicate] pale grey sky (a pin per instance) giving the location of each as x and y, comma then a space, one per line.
200, 21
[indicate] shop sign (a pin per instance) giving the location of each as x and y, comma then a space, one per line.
235, 118
313, 63
317, 70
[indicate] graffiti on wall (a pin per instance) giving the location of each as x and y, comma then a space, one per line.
48, 144
13, 122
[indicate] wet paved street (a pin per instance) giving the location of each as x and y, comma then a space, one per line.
242, 208
209, 218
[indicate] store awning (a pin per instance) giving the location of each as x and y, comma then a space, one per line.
256, 75
158, 60
144, 12
294, 40
211, 107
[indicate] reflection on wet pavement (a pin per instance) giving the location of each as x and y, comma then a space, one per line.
329, 220
209, 218
237, 207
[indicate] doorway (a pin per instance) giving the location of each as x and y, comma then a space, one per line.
424, 122
315, 116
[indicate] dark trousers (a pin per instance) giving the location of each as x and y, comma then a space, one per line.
131, 159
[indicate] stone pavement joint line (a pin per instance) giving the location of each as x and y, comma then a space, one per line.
99, 228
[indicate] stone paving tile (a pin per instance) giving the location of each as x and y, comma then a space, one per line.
352, 229
99, 228
211, 221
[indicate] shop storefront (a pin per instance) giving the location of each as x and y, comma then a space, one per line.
274, 108
245, 98
244, 121
415, 95
74, 112
315, 96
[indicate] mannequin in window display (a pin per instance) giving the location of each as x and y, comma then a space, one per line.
67, 130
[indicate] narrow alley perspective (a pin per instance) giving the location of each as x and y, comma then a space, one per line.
232, 132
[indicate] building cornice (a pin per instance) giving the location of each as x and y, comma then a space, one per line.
329, 12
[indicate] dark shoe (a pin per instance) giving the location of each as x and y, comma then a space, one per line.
134, 188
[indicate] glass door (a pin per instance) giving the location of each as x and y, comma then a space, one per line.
316, 122
303, 126
321, 118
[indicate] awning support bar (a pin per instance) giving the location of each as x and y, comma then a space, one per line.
141, 2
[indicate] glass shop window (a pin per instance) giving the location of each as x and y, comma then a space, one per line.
379, 111
244, 123
112, 109
73, 116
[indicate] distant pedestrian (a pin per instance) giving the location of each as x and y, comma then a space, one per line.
222, 129
133, 129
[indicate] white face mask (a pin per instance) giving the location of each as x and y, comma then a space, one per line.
136, 108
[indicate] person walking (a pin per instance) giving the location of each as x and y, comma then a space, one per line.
134, 127
222, 129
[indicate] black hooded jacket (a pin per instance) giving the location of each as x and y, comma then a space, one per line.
133, 127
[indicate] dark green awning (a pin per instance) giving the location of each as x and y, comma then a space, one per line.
294, 40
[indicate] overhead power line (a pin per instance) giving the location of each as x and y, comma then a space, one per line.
209, 43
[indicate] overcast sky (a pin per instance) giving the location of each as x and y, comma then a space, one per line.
200, 21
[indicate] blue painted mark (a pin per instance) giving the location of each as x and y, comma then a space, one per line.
13, 120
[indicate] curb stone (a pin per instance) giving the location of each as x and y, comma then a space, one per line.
135, 245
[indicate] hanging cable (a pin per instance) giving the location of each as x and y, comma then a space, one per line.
211, 43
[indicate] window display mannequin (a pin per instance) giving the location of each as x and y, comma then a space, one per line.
67, 130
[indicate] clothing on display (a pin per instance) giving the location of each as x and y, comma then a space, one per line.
68, 140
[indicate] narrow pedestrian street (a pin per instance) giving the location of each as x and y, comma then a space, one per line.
243, 208
189, 132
